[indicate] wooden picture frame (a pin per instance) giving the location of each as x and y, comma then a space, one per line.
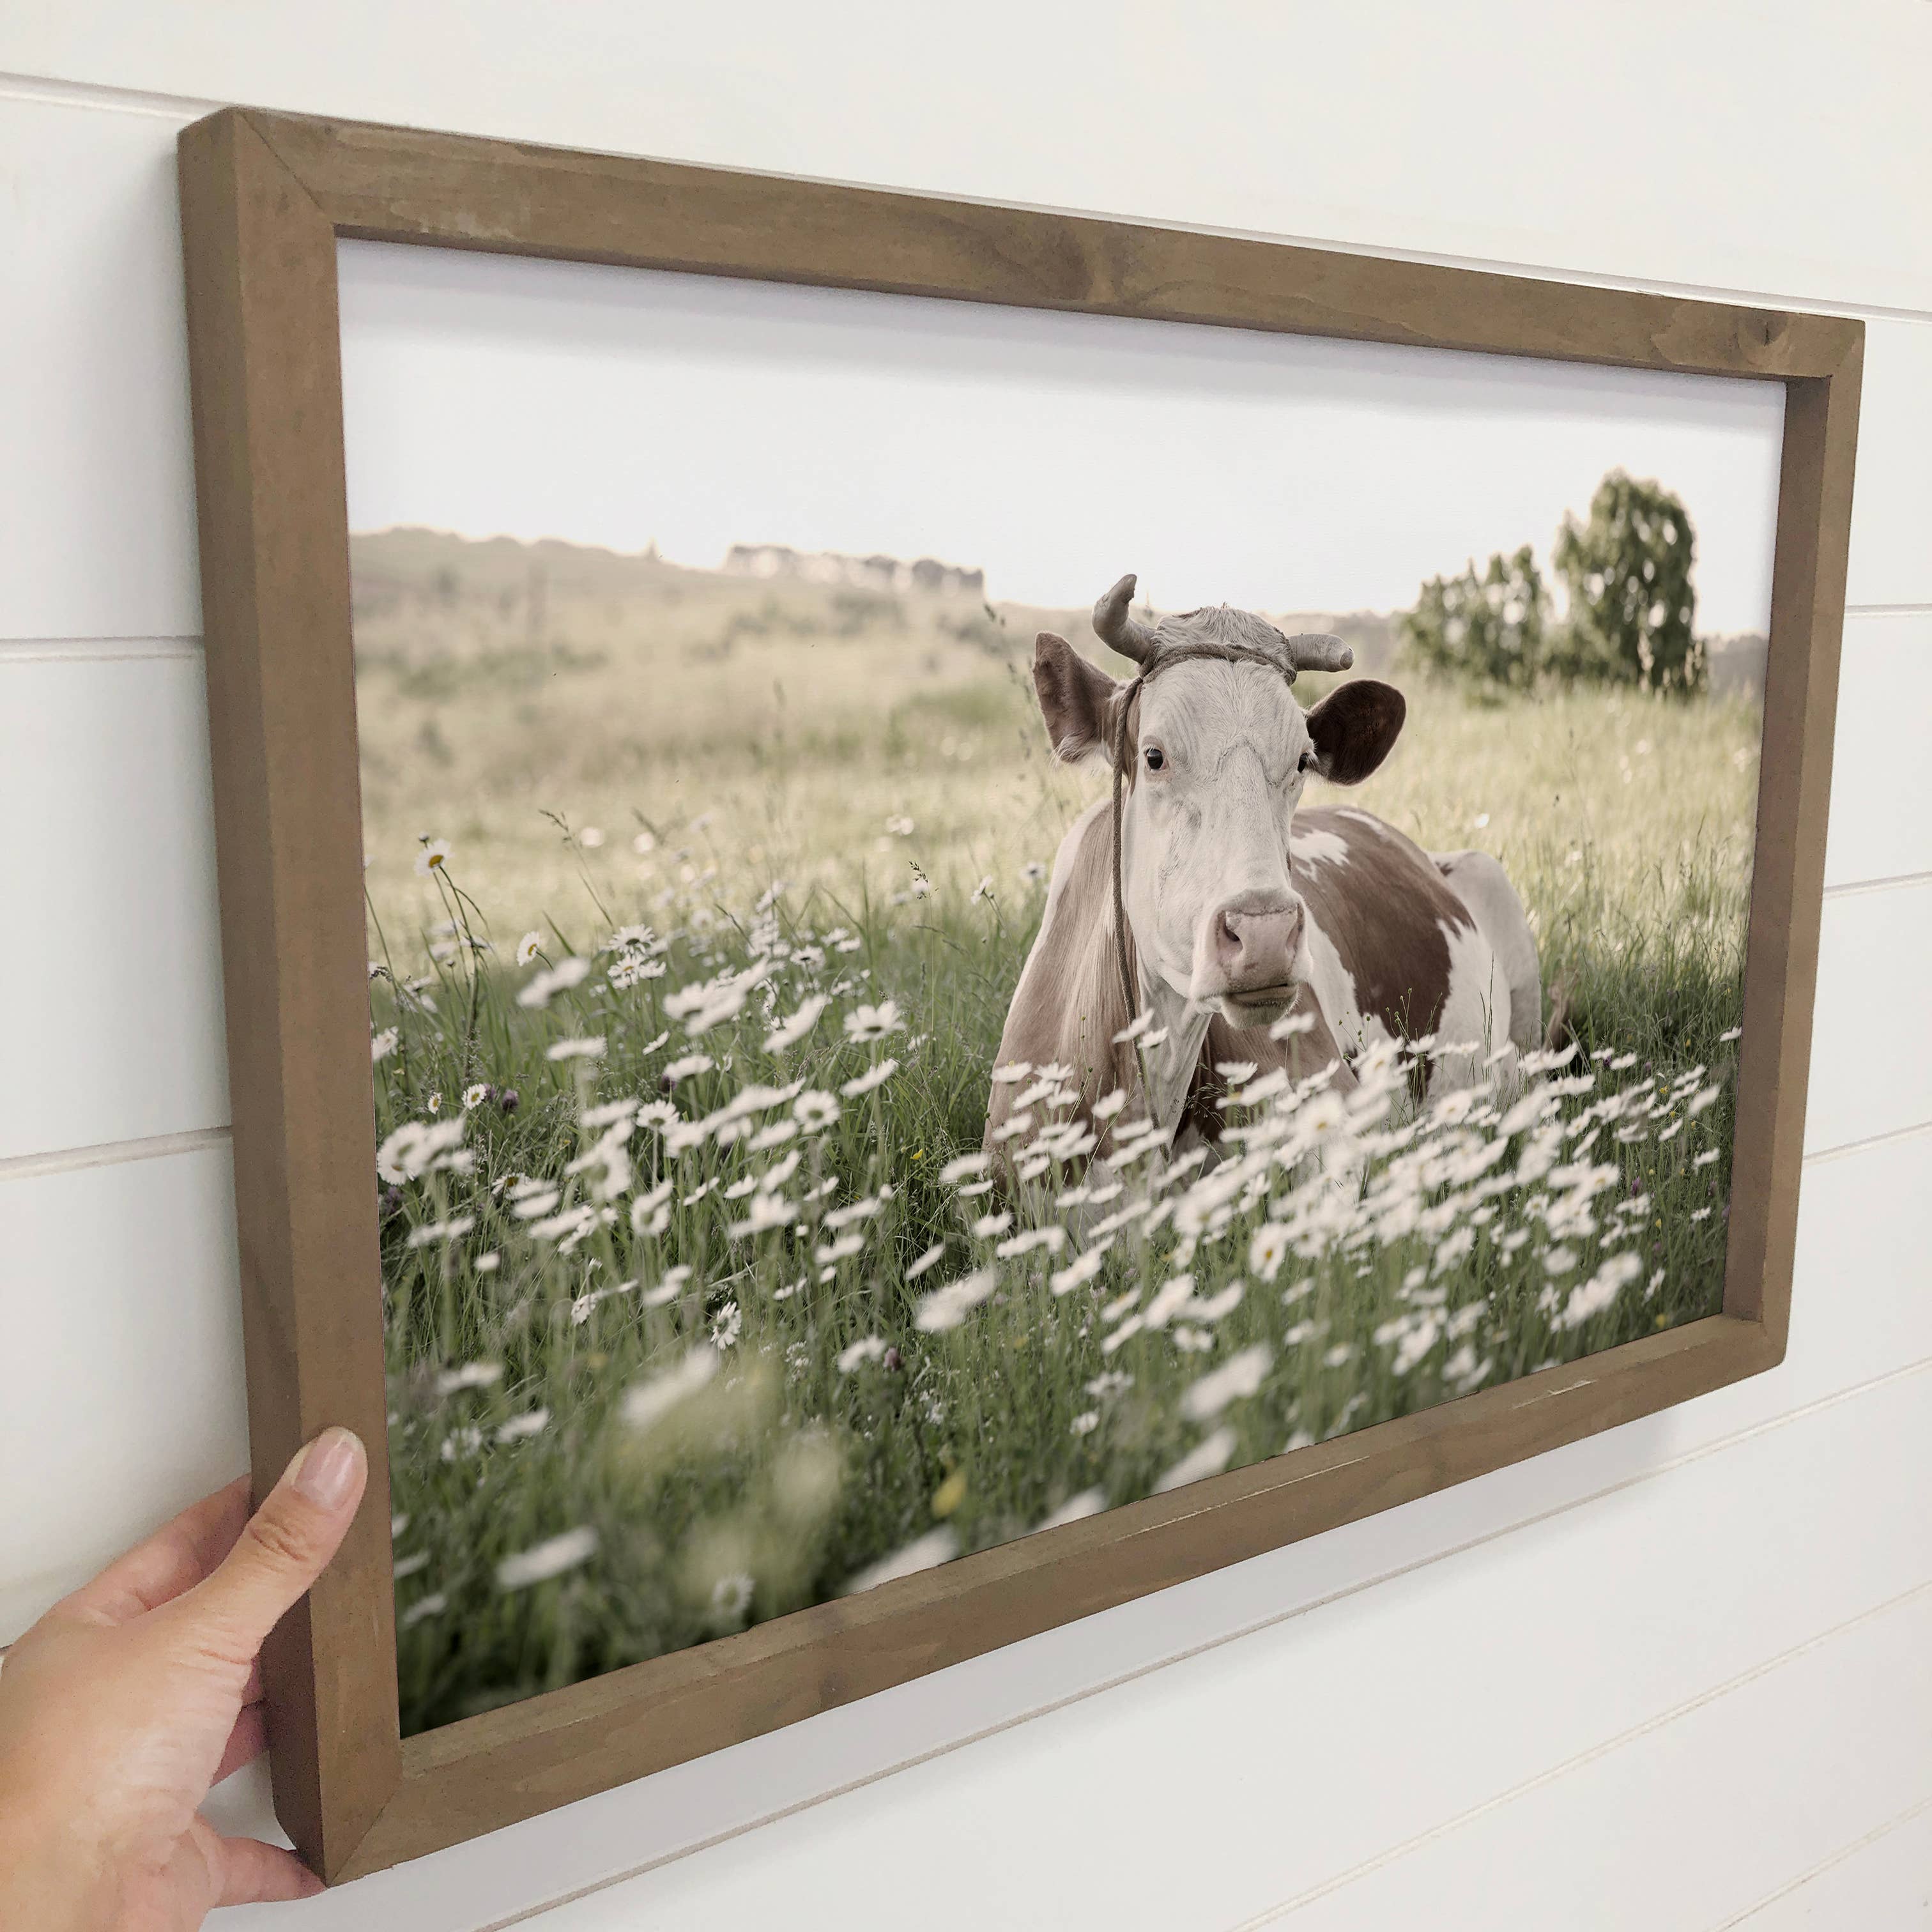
265, 198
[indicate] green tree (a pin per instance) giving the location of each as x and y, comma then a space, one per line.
1488, 630
1632, 607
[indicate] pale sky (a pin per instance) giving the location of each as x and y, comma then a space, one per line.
495, 395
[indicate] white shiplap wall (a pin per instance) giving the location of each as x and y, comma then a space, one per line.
1675, 1676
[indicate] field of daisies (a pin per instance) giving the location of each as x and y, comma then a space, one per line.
702, 1305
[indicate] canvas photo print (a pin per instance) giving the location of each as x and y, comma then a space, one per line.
976, 915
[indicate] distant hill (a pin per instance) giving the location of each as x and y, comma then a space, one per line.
387, 566
857, 573
435, 570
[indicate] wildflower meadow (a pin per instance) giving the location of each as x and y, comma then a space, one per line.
702, 1303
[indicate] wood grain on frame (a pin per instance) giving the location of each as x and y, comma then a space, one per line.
265, 198
265, 367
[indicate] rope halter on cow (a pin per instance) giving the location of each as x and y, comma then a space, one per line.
1232, 636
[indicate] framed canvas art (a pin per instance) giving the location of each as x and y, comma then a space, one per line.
935, 914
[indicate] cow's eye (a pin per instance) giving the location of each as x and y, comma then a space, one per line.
1156, 757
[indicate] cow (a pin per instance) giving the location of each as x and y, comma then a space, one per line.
1202, 894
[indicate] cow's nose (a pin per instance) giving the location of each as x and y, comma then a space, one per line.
1255, 939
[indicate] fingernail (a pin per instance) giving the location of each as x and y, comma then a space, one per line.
328, 1470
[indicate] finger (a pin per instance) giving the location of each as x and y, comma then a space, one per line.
253, 1874
176, 1558
246, 1741
286, 1545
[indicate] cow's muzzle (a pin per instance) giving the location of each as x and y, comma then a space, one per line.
1250, 961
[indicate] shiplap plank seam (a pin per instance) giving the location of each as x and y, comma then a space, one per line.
111, 1154
95, 650
1898, 881
1845, 1149
1554, 1773
89, 96
1875, 1836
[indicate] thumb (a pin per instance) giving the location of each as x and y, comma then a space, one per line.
287, 1542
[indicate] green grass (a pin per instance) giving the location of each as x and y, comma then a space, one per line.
665, 747
783, 1471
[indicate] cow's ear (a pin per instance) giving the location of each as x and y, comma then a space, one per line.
1355, 727
1075, 699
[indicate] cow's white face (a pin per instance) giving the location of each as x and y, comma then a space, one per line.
1220, 758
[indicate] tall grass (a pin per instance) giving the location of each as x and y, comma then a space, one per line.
600, 1370
689, 1325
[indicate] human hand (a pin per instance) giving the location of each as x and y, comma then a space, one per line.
129, 1699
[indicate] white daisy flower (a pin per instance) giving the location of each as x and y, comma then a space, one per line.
417, 1146
1209, 1458
1050, 1238
930, 1258
867, 1348
1616, 1274
649, 1401
766, 1212
1082, 1268
434, 856
433, 1232
553, 980
546, 1560
936, 1547
731, 1598
867, 1023
469, 1375
789, 1032
1268, 1250
947, 1307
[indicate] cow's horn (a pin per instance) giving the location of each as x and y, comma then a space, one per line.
1115, 627
1310, 651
